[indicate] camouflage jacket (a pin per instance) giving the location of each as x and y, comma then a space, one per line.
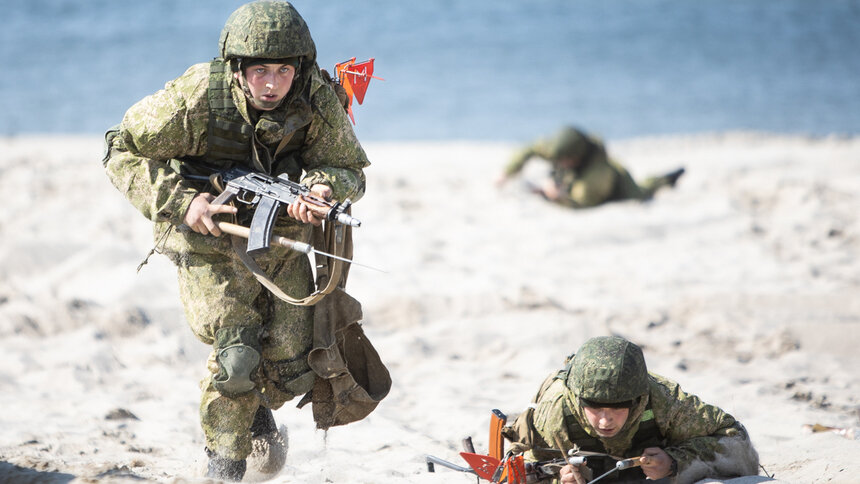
171, 126
703, 440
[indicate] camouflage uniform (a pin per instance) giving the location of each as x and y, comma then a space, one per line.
170, 132
597, 178
703, 440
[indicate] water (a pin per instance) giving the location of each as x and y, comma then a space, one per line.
469, 69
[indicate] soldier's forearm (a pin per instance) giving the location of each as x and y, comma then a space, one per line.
346, 183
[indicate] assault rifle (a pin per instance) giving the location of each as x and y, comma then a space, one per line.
510, 468
270, 194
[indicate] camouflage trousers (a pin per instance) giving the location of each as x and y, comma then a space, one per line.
627, 188
217, 292
605, 182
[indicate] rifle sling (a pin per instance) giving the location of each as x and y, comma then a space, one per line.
283, 144
329, 272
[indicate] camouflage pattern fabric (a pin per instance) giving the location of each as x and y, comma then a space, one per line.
597, 179
276, 31
216, 289
172, 124
608, 369
697, 435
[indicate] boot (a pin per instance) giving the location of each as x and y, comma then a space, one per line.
672, 177
269, 447
264, 422
225, 469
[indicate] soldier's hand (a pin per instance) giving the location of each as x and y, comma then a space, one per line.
501, 180
199, 214
550, 189
656, 463
570, 474
303, 212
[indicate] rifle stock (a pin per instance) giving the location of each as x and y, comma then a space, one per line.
497, 442
245, 233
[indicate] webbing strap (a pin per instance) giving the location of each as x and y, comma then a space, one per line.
335, 244
329, 271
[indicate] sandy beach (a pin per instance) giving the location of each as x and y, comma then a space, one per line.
742, 284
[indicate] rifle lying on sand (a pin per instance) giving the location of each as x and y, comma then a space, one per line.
510, 467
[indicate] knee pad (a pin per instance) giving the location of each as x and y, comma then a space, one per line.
238, 357
235, 365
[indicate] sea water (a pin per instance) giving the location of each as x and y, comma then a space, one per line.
468, 69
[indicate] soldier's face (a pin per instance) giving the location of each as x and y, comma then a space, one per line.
568, 162
269, 84
606, 421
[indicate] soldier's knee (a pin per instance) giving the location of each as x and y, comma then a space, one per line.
236, 364
238, 357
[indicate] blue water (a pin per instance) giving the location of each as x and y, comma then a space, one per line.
468, 69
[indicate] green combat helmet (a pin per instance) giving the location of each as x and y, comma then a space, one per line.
569, 143
608, 370
266, 30
269, 30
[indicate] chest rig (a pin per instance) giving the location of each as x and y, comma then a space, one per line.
647, 435
233, 141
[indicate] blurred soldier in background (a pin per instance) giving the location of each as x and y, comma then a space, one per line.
583, 175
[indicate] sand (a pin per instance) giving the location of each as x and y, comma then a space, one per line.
742, 284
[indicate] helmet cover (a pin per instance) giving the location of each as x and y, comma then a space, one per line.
266, 30
570, 143
608, 370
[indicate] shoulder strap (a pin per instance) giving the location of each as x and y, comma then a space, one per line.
648, 434
331, 272
228, 134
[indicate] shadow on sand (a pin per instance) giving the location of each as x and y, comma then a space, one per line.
12, 474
